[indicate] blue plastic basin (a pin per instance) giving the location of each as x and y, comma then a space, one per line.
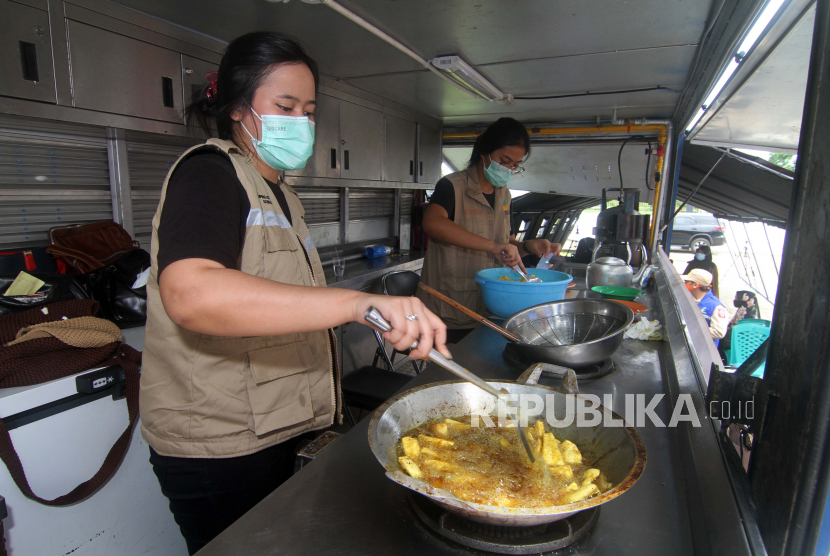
505, 298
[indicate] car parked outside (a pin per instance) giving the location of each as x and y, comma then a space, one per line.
694, 230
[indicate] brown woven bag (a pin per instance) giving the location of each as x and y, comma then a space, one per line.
88, 247
43, 354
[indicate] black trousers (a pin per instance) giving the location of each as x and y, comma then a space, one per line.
207, 495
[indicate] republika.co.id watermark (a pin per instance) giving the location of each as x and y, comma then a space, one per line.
588, 410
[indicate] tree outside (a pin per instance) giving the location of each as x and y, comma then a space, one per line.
783, 160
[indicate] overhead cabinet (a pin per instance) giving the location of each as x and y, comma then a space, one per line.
122, 75
360, 143
429, 154
325, 160
399, 164
26, 53
361, 131
348, 141
121, 69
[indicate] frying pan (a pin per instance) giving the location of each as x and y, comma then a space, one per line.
616, 451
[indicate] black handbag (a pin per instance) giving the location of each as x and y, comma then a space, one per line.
112, 287
57, 287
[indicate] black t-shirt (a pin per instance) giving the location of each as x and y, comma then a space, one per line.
205, 212
444, 196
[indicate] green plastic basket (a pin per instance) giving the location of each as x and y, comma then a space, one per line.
618, 292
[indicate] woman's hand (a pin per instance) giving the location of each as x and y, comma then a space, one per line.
508, 254
542, 247
427, 329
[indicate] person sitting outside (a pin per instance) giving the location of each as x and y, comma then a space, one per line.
703, 260
699, 283
747, 305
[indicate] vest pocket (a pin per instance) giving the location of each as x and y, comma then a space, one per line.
453, 284
483, 228
463, 290
278, 387
279, 239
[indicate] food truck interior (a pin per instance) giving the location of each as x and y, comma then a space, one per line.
646, 101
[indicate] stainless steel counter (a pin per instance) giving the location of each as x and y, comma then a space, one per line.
343, 504
356, 343
361, 274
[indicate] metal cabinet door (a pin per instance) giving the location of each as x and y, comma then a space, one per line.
193, 77
399, 164
325, 160
361, 131
429, 155
26, 53
114, 73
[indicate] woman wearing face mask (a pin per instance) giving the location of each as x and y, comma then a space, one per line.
239, 353
703, 261
468, 222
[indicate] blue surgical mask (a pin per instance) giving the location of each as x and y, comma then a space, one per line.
287, 141
700, 256
497, 174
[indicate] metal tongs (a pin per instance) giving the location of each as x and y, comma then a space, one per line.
374, 318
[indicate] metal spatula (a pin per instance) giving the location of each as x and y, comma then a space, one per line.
524, 275
374, 318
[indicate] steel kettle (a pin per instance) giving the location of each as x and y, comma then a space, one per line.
609, 271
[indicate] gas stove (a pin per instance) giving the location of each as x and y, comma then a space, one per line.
520, 363
553, 538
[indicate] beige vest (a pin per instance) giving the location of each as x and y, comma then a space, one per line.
450, 269
214, 397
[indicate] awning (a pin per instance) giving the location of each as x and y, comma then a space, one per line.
742, 187
761, 107
547, 202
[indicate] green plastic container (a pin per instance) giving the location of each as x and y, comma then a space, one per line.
618, 292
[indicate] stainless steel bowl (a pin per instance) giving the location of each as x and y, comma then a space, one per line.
618, 451
572, 332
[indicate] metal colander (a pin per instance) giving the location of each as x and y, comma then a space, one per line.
571, 332
566, 330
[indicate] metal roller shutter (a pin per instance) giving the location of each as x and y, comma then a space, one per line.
407, 200
367, 203
321, 204
51, 174
150, 156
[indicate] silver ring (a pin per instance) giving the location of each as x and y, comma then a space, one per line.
412, 316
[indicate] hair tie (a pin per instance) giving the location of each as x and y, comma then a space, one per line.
212, 89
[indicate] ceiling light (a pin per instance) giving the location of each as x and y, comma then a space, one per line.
463, 75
